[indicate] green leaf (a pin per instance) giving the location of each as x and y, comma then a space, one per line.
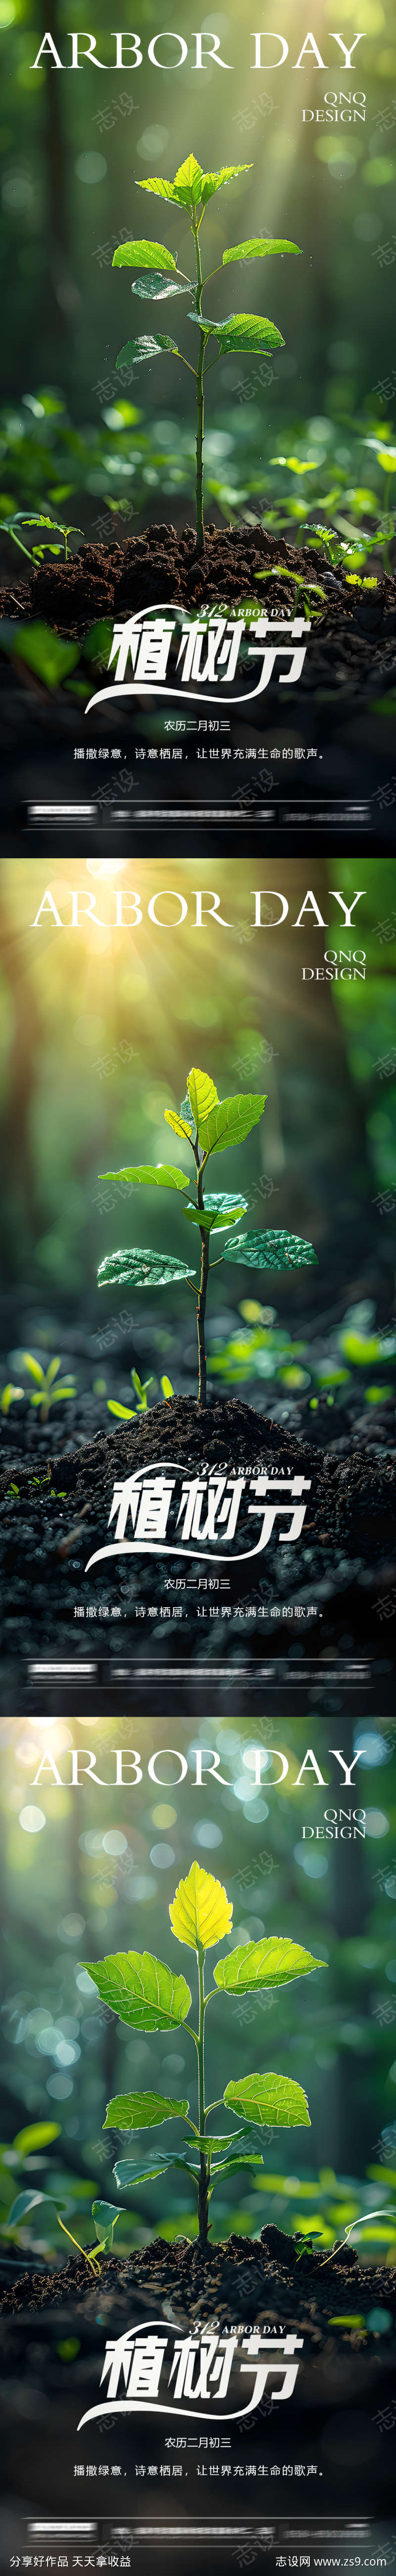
28, 2200
105, 2220
180, 1125
234, 2164
124, 1412
156, 287
233, 1119
152, 2164
201, 1912
248, 331
126, 2173
222, 2145
202, 1096
40, 2134
33, 1367
159, 188
44, 652
214, 179
142, 1990
135, 351
142, 2111
186, 185
183, 190
167, 1389
218, 1211
143, 254
257, 249
271, 1962
59, 1395
270, 1251
141, 1269
269, 2099
165, 1175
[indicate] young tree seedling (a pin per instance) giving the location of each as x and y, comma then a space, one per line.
148, 1996
158, 276
35, 554
127, 1412
207, 1125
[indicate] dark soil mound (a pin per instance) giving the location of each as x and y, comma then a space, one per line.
274, 2279
353, 1492
163, 565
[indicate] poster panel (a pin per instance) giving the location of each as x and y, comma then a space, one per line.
197, 2264
197, 607
198, 1322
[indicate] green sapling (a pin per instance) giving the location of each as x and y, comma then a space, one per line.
148, 1996
207, 1125
158, 276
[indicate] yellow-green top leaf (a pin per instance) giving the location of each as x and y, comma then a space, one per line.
192, 186
184, 189
271, 1962
201, 1912
202, 1097
187, 180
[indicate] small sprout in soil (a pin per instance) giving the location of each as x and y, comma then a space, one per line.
127, 1412
35, 554
339, 549
158, 276
305, 590
148, 1996
45, 1392
105, 2220
10, 1395
207, 1126
40, 2135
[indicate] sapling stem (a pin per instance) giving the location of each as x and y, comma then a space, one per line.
200, 411
204, 1275
81, 2249
201, 1915
203, 2199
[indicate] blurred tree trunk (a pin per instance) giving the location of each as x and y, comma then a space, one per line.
349, 2115
61, 290
17, 1162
